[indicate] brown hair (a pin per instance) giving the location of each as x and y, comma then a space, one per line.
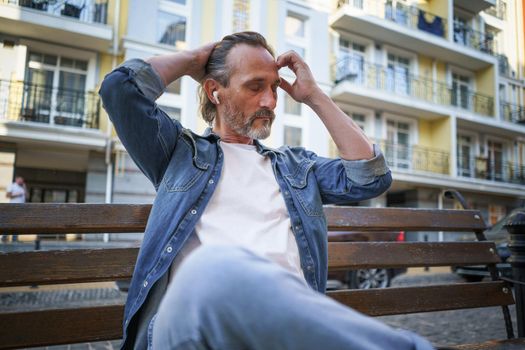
217, 69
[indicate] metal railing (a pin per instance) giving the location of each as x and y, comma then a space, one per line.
512, 112
399, 82
500, 171
405, 15
22, 101
466, 36
411, 157
90, 11
499, 11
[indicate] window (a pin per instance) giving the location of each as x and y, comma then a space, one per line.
351, 61
398, 144
461, 31
55, 90
241, 15
495, 160
292, 136
398, 74
291, 106
397, 11
171, 29
295, 31
465, 155
461, 91
174, 87
360, 120
294, 26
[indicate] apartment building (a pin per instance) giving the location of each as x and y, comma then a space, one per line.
53, 55
438, 83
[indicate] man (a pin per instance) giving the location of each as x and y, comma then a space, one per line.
16, 192
245, 220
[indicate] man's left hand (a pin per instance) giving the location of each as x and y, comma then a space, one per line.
304, 88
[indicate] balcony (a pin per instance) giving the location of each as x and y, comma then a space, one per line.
499, 10
59, 21
415, 158
512, 112
399, 82
494, 170
466, 36
406, 27
39, 104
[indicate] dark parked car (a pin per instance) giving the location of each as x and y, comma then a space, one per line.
363, 278
500, 236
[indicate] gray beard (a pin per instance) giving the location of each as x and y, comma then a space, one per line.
235, 119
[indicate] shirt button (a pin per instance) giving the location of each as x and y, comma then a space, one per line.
297, 227
145, 284
193, 211
211, 182
286, 193
309, 267
169, 249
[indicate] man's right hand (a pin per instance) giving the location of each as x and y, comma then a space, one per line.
191, 62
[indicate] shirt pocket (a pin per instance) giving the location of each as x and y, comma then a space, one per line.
304, 188
182, 172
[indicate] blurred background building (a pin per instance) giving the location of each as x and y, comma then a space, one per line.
438, 83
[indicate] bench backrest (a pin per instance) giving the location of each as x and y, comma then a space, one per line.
46, 327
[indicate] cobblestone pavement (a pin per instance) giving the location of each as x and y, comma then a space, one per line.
450, 327
441, 328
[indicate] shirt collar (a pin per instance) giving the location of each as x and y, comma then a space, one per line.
261, 149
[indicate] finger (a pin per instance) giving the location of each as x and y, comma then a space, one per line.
287, 59
286, 86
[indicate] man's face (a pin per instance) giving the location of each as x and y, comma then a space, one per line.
19, 180
251, 95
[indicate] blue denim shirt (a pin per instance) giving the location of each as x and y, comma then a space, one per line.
185, 168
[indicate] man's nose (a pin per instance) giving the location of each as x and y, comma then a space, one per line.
269, 99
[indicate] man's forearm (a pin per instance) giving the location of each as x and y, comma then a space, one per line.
171, 67
347, 135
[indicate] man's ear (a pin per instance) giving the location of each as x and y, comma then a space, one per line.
210, 86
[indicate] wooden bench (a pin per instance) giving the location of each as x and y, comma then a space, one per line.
87, 324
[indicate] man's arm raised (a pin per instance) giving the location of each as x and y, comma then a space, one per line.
347, 135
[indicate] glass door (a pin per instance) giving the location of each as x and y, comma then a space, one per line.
496, 161
398, 74
352, 61
460, 91
398, 144
465, 156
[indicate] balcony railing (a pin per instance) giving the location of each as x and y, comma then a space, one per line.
499, 11
493, 170
398, 81
91, 11
405, 15
512, 112
466, 36
410, 157
22, 101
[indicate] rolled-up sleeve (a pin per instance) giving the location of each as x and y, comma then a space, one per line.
366, 171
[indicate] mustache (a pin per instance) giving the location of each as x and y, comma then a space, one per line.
264, 113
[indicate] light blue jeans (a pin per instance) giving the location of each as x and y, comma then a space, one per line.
228, 298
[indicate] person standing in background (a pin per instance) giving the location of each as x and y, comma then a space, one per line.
16, 192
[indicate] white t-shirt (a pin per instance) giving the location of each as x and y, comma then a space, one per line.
16, 190
248, 210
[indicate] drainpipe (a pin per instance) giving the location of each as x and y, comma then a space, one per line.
109, 142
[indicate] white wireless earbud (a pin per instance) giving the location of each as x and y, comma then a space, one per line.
216, 96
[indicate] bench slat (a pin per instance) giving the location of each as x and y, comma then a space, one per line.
507, 344
363, 255
404, 219
62, 326
393, 301
97, 265
32, 218
66, 266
